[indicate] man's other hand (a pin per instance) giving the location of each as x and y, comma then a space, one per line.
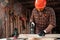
41, 33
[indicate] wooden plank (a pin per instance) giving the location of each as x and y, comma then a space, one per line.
37, 36
19, 29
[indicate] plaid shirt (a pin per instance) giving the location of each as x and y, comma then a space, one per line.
43, 19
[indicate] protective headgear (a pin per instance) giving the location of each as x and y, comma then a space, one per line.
40, 4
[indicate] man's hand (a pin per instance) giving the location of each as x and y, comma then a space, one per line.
41, 33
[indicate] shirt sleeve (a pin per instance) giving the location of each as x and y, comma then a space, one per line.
52, 18
32, 16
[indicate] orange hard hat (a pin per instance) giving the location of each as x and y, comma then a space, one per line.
40, 4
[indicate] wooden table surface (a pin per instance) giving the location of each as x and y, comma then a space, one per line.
36, 37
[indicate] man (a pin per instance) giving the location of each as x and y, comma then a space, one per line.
43, 17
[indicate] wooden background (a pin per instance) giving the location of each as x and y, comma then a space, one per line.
10, 16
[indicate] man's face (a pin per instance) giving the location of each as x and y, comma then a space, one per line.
40, 9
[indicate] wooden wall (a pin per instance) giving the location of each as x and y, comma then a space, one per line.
10, 16
15, 16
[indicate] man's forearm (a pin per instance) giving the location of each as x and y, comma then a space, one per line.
49, 28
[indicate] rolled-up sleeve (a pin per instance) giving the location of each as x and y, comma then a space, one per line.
52, 18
